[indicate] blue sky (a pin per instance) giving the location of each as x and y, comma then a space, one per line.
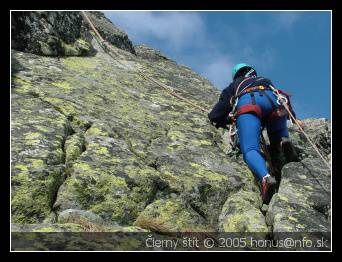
293, 49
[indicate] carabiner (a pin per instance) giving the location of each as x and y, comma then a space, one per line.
281, 99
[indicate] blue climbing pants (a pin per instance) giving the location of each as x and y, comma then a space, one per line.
249, 128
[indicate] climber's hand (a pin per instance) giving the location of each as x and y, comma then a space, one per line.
230, 120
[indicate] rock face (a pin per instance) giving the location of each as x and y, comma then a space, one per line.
50, 33
111, 33
303, 201
62, 33
92, 140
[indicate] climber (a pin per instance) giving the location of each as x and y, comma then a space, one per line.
256, 107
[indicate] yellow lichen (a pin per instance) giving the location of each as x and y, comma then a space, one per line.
37, 163
201, 142
293, 219
102, 151
63, 85
284, 198
33, 136
95, 131
79, 63
21, 167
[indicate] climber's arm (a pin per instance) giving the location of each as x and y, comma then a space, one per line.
219, 114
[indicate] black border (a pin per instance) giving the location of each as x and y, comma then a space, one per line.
158, 5
175, 4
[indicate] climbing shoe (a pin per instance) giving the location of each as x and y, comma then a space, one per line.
289, 150
268, 187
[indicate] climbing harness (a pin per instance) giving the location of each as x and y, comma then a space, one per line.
278, 111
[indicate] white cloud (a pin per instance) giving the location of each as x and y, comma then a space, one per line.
273, 23
264, 59
180, 31
176, 29
286, 20
218, 71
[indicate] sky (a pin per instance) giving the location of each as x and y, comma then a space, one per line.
292, 48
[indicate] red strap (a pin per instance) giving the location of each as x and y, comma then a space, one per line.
280, 112
248, 109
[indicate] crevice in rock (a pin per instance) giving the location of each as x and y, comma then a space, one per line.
67, 166
161, 186
198, 211
154, 164
37, 95
68, 132
322, 209
64, 170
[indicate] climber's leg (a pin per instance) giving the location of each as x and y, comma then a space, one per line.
279, 139
248, 126
277, 129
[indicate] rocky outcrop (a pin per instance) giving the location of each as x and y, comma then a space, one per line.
62, 33
110, 32
149, 53
303, 201
50, 33
96, 146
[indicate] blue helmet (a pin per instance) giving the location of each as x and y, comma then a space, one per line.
237, 67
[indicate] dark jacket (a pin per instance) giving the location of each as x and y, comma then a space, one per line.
219, 114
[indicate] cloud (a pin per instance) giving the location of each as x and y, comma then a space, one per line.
177, 29
286, 20
185, 37
265, 58
266, 25
218, 71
